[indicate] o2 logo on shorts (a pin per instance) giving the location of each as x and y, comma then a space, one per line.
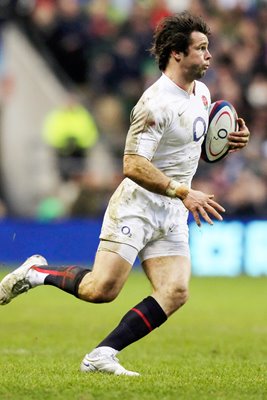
125, 230
199, 128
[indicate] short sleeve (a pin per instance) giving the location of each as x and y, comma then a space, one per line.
146, 130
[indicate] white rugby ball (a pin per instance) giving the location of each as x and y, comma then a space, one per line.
222, 120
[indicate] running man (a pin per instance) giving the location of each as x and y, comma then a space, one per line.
147, 215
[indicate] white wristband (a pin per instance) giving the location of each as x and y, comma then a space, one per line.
172, 188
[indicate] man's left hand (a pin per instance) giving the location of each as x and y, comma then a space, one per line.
238, 140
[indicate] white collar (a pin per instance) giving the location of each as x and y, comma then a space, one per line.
172, 87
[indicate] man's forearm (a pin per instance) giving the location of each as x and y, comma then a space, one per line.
143, 172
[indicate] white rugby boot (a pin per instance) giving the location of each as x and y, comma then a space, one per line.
17, 282
97, 361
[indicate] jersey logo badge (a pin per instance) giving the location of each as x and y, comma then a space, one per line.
205, 102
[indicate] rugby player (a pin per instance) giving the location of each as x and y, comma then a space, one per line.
147, 215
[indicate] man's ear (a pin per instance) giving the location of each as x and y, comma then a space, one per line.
176, 55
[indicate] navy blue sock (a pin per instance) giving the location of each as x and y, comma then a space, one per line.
137, 323
67, 278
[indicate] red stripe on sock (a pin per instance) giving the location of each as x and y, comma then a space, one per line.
66, 274
143, 318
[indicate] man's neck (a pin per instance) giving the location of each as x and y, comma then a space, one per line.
186, 86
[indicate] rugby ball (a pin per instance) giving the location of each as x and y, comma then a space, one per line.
222, 120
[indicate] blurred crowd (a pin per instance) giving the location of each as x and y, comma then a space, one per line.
100, 48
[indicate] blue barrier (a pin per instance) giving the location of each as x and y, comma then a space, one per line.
228, 248
70, 241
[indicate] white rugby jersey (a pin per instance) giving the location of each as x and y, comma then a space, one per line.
168, 127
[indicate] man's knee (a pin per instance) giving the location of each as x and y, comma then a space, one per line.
181, 295
175, 297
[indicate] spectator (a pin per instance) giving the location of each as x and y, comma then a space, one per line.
71, 131
69, 40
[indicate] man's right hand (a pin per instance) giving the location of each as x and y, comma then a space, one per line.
202, 205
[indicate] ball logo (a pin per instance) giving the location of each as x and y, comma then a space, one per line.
222, 133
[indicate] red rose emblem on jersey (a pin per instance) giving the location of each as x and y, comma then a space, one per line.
205, 101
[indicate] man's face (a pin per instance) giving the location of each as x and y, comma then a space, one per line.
196, 62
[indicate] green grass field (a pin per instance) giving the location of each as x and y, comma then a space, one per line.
215, 348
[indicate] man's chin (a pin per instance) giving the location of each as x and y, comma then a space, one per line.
200, 74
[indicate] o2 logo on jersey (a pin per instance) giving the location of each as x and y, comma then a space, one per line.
199, 128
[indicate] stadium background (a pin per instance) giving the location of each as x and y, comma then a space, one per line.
96, 53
